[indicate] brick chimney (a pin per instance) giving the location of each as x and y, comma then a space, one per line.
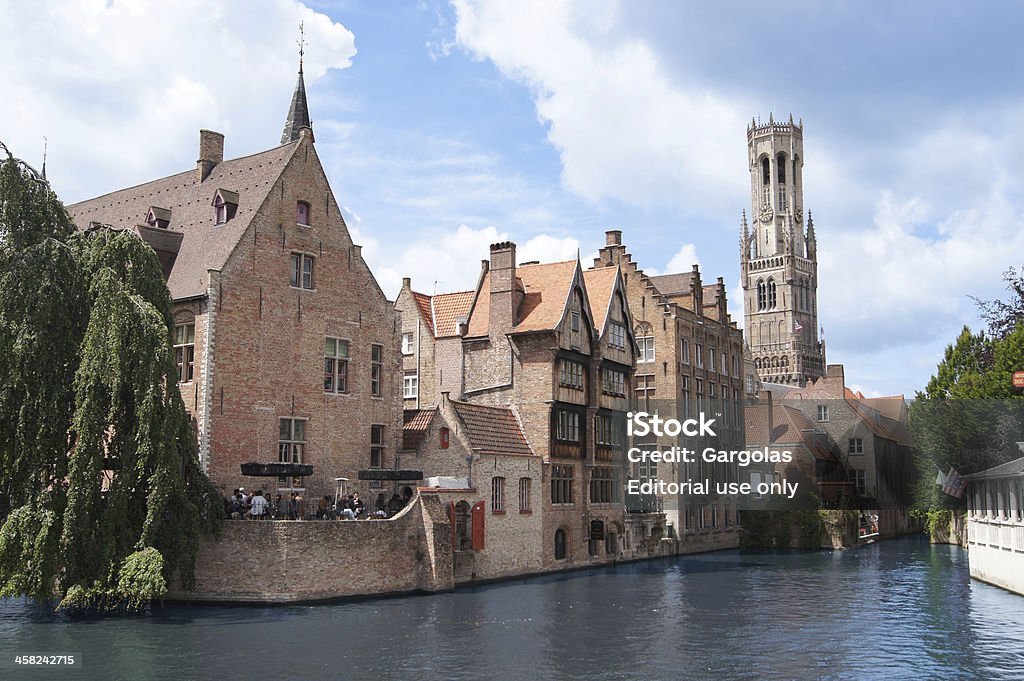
502, 270
211, 152
765, 397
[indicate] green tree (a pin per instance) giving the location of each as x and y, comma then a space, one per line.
103, 497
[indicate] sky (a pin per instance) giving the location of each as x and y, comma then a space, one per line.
447, 126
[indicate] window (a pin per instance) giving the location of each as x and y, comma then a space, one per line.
684, 350
685, 393
780, 163
647, 470
376, 369
568, 426
700, 355
376, 452
644, 390
856, 446
561, 484
524, 495
497, 495
560, 544
291, 446
575, 320
410, 384
302, 271
335, 366
645, 349
185, 351
602, 485
616, 335
406, 343
570, 374
735, 365
772, 295
609, 434
220, 210
711, 359
766, 173
725, 364
302, 213
782, 199
750, 384
858, 478
225, 205
444, 435
822, 412
613, 382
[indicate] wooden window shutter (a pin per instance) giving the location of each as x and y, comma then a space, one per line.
478, 526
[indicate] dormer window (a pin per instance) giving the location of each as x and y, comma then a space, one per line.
302, 213
225, 205
158, 217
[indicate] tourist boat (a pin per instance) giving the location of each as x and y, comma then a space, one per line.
867, 532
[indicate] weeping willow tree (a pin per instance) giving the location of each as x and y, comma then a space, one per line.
103, 500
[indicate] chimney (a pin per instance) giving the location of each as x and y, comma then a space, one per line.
406, 282
211, 152
765, 396
697, 292
613, 237
503, 281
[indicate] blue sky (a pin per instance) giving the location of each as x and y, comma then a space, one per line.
447, 126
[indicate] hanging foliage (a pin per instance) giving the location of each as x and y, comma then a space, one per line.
103, 497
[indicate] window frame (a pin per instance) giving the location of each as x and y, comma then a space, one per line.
287, 447
339, 363
498, 495
185, 351
302, 271
645, 350
376, 370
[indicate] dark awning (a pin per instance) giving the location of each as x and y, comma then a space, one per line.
276, 469
377, 474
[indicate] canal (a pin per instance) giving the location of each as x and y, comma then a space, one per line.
894, 610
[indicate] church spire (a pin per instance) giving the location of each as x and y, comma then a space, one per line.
298, 112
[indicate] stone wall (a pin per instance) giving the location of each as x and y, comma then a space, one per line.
296, 561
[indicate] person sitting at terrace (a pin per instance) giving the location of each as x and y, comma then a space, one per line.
357, 505
345, 509
395, 504
323, 508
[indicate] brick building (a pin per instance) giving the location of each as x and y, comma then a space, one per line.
691, 359
489, 479
873, 435
287, 348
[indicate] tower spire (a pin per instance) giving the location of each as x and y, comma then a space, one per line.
298, 111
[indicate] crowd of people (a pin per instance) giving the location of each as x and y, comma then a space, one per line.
244, 505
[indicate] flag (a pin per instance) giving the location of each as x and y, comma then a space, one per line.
954, 485
940, 479
796, 326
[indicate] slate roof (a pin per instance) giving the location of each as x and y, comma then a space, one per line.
298, 113
415, 425
204, 245
1010, 468
492, 430
673, 284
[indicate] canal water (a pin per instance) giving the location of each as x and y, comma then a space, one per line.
893, 610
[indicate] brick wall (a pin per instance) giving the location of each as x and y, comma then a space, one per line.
288, 561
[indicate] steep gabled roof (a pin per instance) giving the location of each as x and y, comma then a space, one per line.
672, 284
492, 430
447, 308
789, 426
425, 308
545, 292
600, 284
204, 245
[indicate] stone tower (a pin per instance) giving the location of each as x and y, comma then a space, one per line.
779, 260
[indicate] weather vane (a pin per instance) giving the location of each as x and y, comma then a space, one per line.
302, 42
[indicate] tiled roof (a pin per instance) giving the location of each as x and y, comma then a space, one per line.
492, 430
545, 292
416, 423
890, 407
205, 245
448, 307
600, 283
423, 303
788, 424
673, 284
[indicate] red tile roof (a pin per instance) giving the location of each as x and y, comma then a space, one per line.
492, 430
545, 289
416, 423
447, 308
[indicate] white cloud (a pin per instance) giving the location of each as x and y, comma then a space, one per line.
623, 128
121, 89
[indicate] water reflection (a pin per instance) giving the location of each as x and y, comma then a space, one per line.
894, 610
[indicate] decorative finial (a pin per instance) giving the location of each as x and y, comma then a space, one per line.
44, 158
302, 43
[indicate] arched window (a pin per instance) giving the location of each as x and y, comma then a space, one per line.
780, 162
463, 527
762, 299
302, 213
560, 544
772, 300
785, 363
795, 160
766, 171
757, 363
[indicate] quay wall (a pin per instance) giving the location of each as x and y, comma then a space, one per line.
281, 561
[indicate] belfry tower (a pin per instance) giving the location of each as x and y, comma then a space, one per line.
779, 260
